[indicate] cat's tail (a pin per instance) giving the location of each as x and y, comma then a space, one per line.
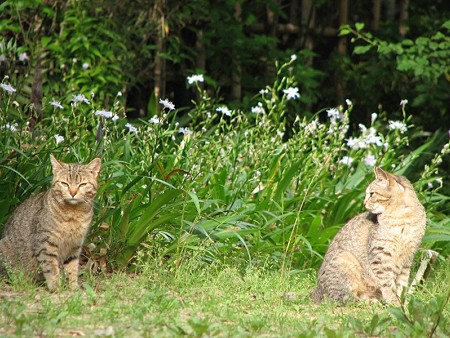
4, 254
317, 295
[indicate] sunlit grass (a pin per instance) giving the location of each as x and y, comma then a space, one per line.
198, 299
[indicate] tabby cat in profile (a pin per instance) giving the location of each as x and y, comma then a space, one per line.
370, 257
44, 235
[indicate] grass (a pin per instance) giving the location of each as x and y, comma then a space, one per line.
198, 300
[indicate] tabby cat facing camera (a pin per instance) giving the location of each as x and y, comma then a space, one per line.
370, 257
44, 235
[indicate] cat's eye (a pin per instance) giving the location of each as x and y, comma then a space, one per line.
66, 185
82, 185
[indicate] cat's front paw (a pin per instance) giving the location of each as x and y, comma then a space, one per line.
52, 286
73, 285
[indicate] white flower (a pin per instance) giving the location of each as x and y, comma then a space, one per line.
80, 98
74, 60
370, 160
313, 126
85, 65
280, 133
2, 58
195, 78
8, 88
224, 110
347, 160
56, 104
348, 102
59, 139
119, 94
258, 109
293, 57
373, 139
398, 125
155, 120
185, 131
167, 104
131, 128
104, 113
291, 93
403, 102
334, 115
264, 91
23, 57
373, 117
115, 117
369, 136
356, 143
12, 127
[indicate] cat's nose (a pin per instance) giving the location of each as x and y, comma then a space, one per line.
72, 193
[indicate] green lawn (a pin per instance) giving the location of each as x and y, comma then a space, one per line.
197, 300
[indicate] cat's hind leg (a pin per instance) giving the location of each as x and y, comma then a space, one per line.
352, 280
401, 281
346, 279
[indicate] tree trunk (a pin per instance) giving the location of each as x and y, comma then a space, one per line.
403, 28
343, 20
342, 45
200, 58
307, 23
159, 71
236, 85
376, 11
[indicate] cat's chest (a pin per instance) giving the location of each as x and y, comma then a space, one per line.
73, 231
400, 235
70, 229
71, 237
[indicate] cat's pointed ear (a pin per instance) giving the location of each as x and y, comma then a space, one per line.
57, 165
395, 180
390, 179
94, 166
380, 174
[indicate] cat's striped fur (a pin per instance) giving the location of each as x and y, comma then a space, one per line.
45, 233
371, 256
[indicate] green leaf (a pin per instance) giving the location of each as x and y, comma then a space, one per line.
362, 49
446, 24
359, 26
152, 107
345, 30
140, 230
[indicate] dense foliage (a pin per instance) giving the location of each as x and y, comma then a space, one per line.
229, 184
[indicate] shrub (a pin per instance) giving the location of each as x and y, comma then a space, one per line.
227, 185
